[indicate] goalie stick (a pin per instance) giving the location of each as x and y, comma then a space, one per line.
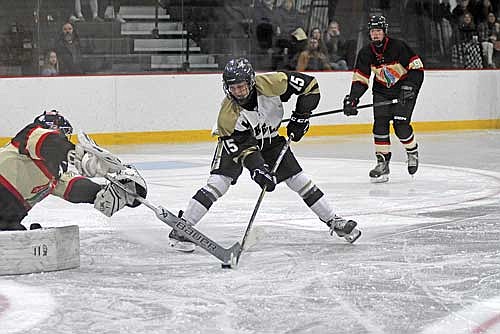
226, 255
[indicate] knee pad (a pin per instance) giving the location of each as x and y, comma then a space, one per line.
305, 187
217, 186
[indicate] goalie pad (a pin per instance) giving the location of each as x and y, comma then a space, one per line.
92, 160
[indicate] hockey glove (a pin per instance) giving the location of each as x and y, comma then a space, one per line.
297, 126
264, 178
88, 164
134, 183
350, 104
110, 200
407, 94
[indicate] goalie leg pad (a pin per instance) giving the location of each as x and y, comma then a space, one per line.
110, 200
88, 164
198, 206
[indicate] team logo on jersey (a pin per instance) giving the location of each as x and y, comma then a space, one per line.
390, 76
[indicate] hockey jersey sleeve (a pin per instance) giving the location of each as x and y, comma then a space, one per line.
76, 188
307, 89
38, 143
361, 74
413, 64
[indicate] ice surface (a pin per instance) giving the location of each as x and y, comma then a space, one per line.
428, 260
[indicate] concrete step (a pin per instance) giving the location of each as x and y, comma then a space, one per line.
142, 13
106, 45
177, 61
164, 45
145, 28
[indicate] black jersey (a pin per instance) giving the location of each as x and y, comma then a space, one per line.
393, 63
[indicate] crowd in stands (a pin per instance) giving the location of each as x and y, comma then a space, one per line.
281, 32
470, 30
467, 35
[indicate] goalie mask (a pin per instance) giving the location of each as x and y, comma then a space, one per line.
237, 73
53, 120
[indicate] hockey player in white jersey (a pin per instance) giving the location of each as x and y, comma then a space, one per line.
247, 130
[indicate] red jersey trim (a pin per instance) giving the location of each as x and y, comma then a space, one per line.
70, 186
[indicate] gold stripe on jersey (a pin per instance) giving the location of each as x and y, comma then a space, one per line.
389, 74
360, 77
272, 84
34, 140
312, 88
228, 115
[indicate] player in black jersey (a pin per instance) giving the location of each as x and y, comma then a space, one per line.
398, 74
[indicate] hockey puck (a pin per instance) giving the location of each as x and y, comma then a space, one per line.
226, 266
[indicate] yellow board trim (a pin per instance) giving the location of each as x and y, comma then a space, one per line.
189, 136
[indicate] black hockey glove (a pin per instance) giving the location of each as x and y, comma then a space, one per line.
407, 94
297, 126
264, 178
350, 104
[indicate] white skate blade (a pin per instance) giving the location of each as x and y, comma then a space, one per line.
380, 179
353, 236
180, 246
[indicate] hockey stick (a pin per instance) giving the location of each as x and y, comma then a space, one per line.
228, 256
261, 197
378, 104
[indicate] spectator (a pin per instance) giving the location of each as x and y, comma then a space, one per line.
481, 9
336, 46
51, 66
288, 20
489, 33
313, 59
112, 11
462, 7
68, 49
298, 44
466, 52
316, 34
78, 16
265, 26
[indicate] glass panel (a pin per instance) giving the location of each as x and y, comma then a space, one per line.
151, 36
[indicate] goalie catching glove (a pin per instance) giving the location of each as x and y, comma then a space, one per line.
114, 197
89, 164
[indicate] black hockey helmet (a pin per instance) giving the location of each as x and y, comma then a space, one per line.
378, 22
54, 120
236, 71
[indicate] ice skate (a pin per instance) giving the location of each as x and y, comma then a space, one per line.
180, 243
344, 228
412, 162
380, 173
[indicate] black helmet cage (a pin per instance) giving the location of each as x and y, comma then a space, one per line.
236, 71
378, 22
53, 120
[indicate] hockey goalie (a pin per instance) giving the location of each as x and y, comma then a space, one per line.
34, 165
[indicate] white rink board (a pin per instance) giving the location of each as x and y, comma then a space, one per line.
142, 103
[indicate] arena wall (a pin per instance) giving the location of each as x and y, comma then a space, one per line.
131, 109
